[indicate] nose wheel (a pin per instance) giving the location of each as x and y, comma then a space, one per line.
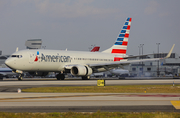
20, 77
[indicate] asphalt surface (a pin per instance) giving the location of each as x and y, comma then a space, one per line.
11, 101
150, 108
87, 102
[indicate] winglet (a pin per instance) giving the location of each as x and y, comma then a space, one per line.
169, 54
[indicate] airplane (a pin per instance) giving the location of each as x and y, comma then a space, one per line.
6, 72
95, 49
78, 63
119, 72
114, 72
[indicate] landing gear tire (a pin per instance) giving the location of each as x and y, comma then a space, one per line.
85, 77
20, 78
60, 76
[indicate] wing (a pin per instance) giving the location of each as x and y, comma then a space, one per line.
121, 64
97, 67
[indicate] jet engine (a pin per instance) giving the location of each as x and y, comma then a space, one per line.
38, 73
80, 70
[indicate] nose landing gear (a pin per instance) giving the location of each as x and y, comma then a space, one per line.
20, 77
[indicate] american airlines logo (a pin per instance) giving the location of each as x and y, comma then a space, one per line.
53, 58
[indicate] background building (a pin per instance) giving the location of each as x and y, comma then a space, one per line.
166, 67
33, 44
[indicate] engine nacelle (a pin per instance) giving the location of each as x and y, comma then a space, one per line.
80, 70
38, 73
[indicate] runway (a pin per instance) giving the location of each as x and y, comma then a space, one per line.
85, 102
86, 82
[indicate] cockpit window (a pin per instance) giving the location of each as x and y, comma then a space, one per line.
18, 56
13, 55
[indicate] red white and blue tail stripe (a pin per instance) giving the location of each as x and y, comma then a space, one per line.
120, 45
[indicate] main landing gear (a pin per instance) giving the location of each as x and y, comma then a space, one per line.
60, 76
85, 77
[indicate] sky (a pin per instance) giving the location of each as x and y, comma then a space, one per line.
78, 24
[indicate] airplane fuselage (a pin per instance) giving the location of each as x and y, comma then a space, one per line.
55, 60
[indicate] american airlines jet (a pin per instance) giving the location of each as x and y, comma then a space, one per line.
78, 63
6, 72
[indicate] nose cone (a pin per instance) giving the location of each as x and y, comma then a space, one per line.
9, 63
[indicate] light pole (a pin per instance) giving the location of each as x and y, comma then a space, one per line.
139, 58
139, 49
158, 57
142, 56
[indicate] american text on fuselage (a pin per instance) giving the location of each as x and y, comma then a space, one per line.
55, 58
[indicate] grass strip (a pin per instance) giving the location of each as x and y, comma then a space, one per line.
108, 89
91, 115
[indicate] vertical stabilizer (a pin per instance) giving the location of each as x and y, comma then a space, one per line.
120, 45
95, 49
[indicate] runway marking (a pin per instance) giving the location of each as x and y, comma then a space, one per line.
53, 97
176, 104
78, 100
116, 95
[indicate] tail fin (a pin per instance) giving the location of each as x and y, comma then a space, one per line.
120, 46
96, 48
